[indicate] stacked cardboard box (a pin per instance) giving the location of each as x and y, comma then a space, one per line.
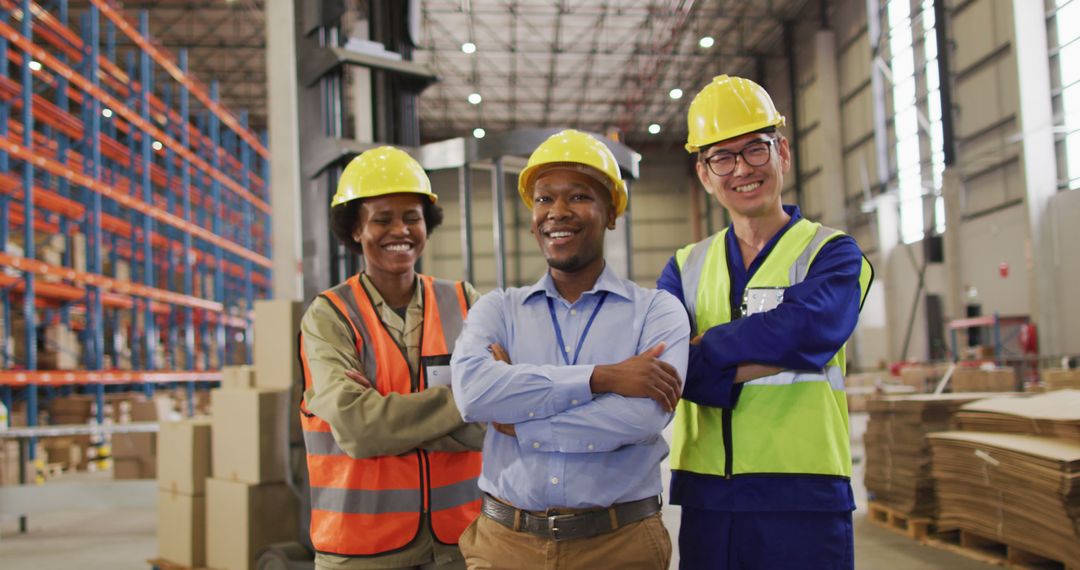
183, 465
9, 462
135, 454
922, 377
991, 379
862, 387
249, 505
61, 351
1061, 378
897, 452
277, 324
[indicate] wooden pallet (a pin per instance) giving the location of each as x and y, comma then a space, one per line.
162, 564
915, 528
992, 551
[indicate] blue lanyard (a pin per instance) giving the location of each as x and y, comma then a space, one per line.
584, 333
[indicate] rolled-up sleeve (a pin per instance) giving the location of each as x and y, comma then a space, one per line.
364, 422
611, 421
487, 390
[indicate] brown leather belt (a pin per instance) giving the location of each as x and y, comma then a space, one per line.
584, 524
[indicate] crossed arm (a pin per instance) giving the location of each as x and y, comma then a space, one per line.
583, 408
364, 422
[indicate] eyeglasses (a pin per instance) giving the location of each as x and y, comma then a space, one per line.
756, 153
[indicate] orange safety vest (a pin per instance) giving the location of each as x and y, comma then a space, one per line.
362, 507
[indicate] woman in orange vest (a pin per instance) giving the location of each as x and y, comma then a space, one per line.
392, 465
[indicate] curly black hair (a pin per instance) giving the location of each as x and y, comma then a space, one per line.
345, 217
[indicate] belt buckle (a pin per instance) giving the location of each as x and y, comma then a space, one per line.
553, 525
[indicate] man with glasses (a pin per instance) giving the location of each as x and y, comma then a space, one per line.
761, 462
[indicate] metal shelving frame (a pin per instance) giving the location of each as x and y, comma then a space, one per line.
118, 151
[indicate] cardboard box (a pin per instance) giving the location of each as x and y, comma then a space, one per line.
966, 379
238, 377
184, 457
9, 462
74, 409
920, 377
1060, 379
132, 468
78, 251
277, 324
243, 518
182, 529
250, 431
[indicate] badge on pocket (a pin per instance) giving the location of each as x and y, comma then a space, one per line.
436, 370
761, 300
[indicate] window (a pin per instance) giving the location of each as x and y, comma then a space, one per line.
1064, 36
913, 66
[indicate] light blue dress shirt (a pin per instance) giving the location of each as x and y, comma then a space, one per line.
573, 448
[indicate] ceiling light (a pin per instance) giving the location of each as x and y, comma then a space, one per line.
654, 129
157, 145
478, 133
468, 47
706, 42
106, 112
35, 65
675, 93
475, 98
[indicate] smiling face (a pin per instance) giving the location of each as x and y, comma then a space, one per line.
570, 213
749, 191
392, 233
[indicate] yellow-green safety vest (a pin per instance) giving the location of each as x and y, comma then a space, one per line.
794, 422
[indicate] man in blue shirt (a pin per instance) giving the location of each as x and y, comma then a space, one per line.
578, 375
761, 454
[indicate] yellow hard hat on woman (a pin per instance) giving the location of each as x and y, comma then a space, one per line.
574, 150
726, 108
380, 171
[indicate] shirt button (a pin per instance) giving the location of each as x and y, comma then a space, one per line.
590, 447
573, 311
531, 414
554, 480
573, 402
567, 349
536, 445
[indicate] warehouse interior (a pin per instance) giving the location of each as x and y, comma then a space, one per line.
165, 197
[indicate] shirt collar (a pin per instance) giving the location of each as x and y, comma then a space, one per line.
607, 281
377, 299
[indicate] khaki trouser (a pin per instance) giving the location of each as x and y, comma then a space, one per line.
643, 545
454, 565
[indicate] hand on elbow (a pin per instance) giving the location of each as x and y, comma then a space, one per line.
641, 376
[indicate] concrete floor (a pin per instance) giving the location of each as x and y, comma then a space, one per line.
125, 539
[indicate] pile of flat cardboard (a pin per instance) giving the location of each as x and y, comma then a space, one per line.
1021, 490
1051, 414
248, 503
897, 452
1061, 378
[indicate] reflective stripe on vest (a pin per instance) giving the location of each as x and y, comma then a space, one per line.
832, 374
790, 422
363, 507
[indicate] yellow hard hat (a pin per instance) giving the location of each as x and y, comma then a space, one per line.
726, 108
574, 150
380, 171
